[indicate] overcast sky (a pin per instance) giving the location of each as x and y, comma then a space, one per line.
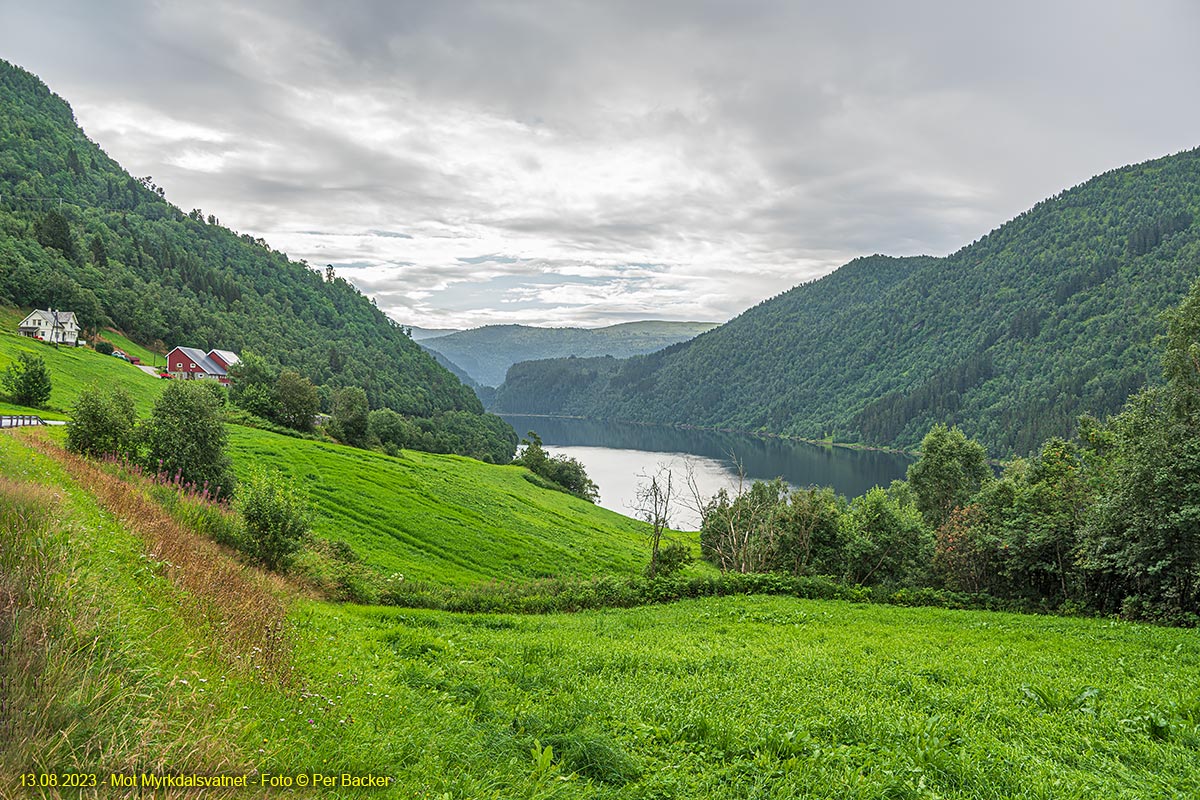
594, 162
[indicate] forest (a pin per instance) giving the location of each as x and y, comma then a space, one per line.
1013, 337
79, 233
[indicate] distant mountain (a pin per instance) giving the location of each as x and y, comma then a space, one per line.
486, 353
1049, 316
420, 334
79, 233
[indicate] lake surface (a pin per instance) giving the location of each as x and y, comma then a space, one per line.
619, 457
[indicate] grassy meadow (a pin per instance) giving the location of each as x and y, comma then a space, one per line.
134, 667
447, 519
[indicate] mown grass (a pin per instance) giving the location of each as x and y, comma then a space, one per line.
447, 519
72, 369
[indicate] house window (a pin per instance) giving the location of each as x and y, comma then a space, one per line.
178, 365
191, 366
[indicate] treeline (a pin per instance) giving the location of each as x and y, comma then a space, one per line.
1107, 522
1012, 337
79, 233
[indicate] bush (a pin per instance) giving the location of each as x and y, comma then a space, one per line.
104, 348
185, 438
27, 381
102, 423
277, 516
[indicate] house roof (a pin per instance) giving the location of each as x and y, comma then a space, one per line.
201, 360
47, 315
228, 356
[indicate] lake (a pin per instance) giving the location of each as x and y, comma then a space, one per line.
618, 457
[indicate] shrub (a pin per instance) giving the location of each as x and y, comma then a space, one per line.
185, 438
27, 381
102, 423
277, 516
104, 348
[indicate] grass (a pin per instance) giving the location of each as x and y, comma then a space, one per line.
735, 697
749, 697
72, 369
447, 519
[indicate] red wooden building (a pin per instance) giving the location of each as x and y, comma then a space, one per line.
191, 363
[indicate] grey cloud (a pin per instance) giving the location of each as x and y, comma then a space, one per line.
777, 139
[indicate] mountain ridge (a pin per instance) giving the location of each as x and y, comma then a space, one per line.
1050, 315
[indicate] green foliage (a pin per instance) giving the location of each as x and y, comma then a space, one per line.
296, 401
185, 440
78, 232
102, 423
482, 436
562, 471
350, 416
886, 541
104, 348
948, 473
277, 517
252, 385
27, 381
1013, 337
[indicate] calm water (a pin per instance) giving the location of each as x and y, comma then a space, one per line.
618, 457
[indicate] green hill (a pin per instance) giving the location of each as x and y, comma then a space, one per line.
486, 353
78, 232
1012, 337
447, 519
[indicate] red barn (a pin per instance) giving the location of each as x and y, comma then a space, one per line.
191, 363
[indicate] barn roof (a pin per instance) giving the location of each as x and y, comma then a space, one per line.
201, 360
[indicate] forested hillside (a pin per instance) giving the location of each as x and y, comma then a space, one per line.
1012, 337
486, 353
77, 232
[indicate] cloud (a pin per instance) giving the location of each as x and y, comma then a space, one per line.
515, 160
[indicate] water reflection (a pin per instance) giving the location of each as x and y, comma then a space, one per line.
616, 455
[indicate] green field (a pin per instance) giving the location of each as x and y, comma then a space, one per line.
734, 697
447, 519
73, 369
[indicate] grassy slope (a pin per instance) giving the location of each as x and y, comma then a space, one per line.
447, 519
72, 369
733, 697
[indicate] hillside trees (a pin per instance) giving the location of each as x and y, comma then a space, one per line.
77, 232
950, 470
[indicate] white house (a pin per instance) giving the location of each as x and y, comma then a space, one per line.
51, 326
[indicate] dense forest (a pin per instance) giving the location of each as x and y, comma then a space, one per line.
77, 232
1050, 316
486, 353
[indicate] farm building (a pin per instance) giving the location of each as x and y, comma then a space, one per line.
192, 363
58, 327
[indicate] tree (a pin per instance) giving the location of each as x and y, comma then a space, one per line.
566, 472
886, 541
810, 534
252, 385
948, 473
653, 504
277, 515
350, 416
102, 423
27, 381
741, 533
185, 438
296, 401
53, 230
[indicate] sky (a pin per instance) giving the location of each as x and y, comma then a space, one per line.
593, 162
